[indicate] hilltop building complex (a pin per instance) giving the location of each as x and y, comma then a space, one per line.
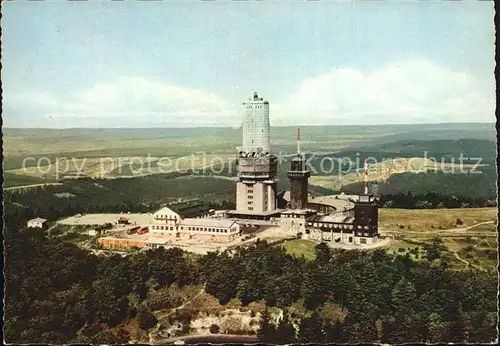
341, 219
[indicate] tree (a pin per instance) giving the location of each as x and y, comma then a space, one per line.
214, 329
311, 329
323, 254
433, 250
403, 295
435, 328
146, 319
285, 332
267, 332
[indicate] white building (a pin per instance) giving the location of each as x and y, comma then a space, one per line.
167, 216
36, 223
256, 127
169, 224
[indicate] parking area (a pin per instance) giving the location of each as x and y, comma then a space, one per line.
101, 219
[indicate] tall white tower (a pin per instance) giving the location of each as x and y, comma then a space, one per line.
256, 127
257, 166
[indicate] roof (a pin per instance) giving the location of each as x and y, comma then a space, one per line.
286, 195
185, 210
331, 219
332, 200
157, 241
164, 210
38, 219
299, 211
208, 222
243, 212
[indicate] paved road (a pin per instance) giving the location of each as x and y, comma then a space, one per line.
29, 186
211, 338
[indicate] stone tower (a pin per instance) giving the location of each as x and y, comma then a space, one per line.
298, 176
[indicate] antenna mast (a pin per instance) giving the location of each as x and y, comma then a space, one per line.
298, 141
366, 176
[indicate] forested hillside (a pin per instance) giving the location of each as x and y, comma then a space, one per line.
141, 194
62, 294
454, 190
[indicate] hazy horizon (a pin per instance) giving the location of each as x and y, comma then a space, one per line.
170, 64
237, 127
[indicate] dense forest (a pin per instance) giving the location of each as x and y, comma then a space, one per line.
57, 293
139, 195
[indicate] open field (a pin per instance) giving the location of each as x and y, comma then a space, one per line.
300, 247
472, 244
13, 180
426, 220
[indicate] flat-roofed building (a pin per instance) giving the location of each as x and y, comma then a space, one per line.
214, 230
122, 242
36, 223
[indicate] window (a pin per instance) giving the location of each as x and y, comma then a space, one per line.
250, 208
250, 197
362, 240
350, 239
182, 228
250, 202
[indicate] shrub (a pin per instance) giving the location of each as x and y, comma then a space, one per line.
459, 222
401, 226
214, 329
146, 318
401, 249
469, 248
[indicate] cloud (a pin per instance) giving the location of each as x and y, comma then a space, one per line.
412, 91
131, 101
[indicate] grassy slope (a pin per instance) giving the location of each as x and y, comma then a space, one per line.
477, 245
423, 219
300, 247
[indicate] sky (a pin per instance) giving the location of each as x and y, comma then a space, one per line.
173, 64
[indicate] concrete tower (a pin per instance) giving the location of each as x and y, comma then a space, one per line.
257, 183
256, 127
299, 176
